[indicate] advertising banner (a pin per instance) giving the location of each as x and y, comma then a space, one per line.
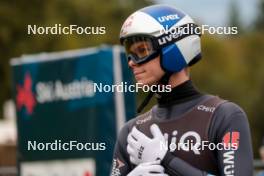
70, 106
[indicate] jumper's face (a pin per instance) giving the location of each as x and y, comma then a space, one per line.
148, 73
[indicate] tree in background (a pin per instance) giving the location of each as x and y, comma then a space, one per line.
260, 19
234, 19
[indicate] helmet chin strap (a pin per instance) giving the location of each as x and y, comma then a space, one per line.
164, 81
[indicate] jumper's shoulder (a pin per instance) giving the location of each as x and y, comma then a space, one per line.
143, 118
227, 116
123, 133
229, 109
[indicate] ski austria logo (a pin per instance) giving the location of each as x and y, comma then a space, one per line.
50, 91
25, 96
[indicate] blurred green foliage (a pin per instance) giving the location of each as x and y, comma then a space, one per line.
232, 67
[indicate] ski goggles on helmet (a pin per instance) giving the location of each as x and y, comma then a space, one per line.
140, 49
143, 48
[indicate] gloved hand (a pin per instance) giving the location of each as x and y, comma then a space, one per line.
143, 149
148, 169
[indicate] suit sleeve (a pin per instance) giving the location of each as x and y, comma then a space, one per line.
175, 166
234, 131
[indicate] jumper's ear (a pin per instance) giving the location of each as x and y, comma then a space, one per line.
172, 59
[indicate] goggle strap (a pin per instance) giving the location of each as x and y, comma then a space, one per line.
145, 102
164, 80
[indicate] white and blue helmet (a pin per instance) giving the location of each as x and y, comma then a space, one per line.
169, 32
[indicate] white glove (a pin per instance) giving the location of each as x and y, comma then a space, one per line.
148, 169
143, 149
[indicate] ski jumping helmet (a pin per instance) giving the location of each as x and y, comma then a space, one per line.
165, 31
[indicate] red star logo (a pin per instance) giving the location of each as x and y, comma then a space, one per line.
87, 173
25, 96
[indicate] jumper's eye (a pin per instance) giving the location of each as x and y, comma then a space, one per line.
142, 52
141, 49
